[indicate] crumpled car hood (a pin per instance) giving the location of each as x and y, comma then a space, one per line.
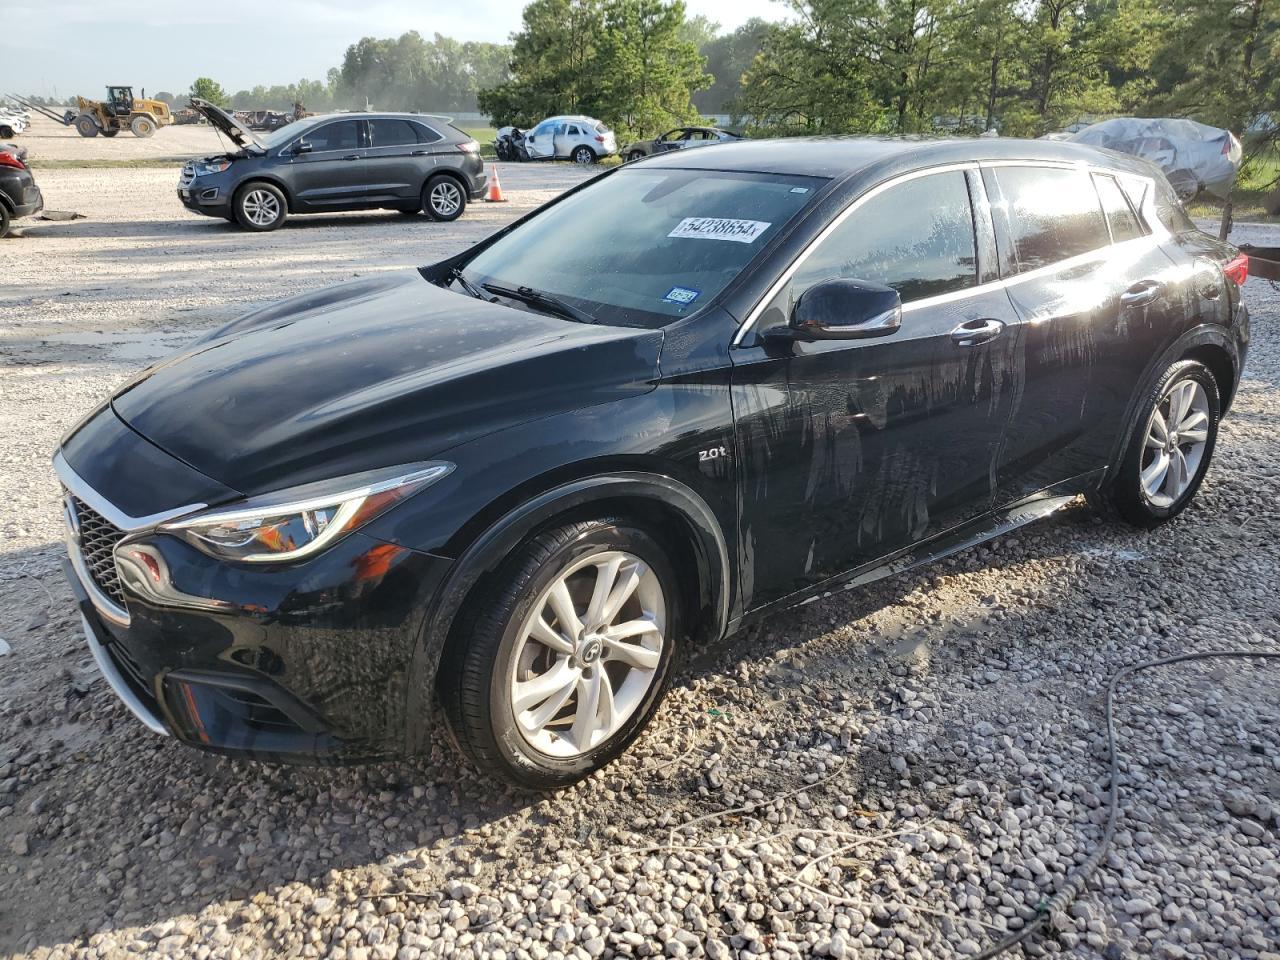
370, 374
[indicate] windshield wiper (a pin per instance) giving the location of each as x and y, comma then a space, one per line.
457, 277
536, 298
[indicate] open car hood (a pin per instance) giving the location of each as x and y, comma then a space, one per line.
240, 135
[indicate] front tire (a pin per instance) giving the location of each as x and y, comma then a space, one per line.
583, 155
1171, 447
86, 126
635, 155
556, 667
111, 132
260, 207
6, 131
443, 199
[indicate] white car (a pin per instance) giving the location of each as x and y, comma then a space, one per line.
12, 122
580, 139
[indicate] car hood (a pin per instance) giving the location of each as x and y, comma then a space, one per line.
369, 374
239, 134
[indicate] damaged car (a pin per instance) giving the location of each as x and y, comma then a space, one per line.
527, 481
19, 194
343, 161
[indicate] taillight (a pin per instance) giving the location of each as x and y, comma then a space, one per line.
470, 146
9, 160
1237, 269
599, 139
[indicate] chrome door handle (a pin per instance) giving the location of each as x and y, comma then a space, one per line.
352, 156
420, 153
1140, 294
972, 332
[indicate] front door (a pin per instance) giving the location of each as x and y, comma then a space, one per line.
1091, 313
330, 172
849, 450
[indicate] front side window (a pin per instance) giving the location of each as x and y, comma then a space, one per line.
1053, 213
916, 237
543, 129
1121, 219
672, 241
342, 135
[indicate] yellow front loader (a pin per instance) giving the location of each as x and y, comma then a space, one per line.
121, 110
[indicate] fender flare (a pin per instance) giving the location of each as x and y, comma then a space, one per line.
1199, 336
492, 546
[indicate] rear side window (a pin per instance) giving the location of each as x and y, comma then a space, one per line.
394, 133
916, 237
573, 131
1121, 219
1169, 209
1053, 214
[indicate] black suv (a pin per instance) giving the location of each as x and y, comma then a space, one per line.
698, 389
19, 195
343, 161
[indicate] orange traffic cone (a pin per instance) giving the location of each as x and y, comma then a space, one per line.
495, 187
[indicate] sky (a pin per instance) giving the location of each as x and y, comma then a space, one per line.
65, 47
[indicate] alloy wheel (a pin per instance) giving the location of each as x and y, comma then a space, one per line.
446, 198
261, 207
587, 654
1176, 438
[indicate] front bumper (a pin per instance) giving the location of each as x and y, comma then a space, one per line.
307, 662
210, 199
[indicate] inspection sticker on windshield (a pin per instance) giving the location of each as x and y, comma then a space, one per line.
681, 295
714, 228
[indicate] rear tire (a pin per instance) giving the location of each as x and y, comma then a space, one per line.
86, 126
443, 199
540, 694
635, 155
5, 220
6, 131
1170, 449
142, 127
583, 155
260, 207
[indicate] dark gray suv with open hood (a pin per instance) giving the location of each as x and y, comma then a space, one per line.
341, 161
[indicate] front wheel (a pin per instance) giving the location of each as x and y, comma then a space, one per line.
1171, 447
86, 126
583, 155
443, 199
635, 155
6, 131
561, 663
260, 207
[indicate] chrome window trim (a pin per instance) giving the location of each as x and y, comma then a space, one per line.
975, 165
117, 517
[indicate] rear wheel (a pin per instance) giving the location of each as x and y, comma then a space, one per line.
1170, 449
583, 155
635, 155
6, 131
86, 126
142, 126
443, 199
260, 206
4, 221
561, 663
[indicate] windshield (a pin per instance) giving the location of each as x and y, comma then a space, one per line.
642, 247
282, 135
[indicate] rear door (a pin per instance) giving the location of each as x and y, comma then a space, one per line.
331, 174
1092, 291
398, 160
849, 450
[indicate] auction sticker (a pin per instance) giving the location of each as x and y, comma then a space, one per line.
681, 295
715, 228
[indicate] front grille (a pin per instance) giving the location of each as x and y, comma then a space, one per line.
98, 539
188, 174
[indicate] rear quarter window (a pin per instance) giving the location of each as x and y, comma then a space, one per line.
1052, 213
1169, 209
1120, 217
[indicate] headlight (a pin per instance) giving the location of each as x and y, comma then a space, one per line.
298, 522
203, 168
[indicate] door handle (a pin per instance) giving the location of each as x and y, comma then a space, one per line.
1142, 293
352, 156
420, 153
972, 332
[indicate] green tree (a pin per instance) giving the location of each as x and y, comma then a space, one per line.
728, 58
207, 89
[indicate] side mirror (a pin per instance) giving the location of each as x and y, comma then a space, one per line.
843, 310
301, 147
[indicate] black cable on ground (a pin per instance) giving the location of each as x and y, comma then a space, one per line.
1077, 879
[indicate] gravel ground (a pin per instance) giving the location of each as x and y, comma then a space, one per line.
47, 139
901, 772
